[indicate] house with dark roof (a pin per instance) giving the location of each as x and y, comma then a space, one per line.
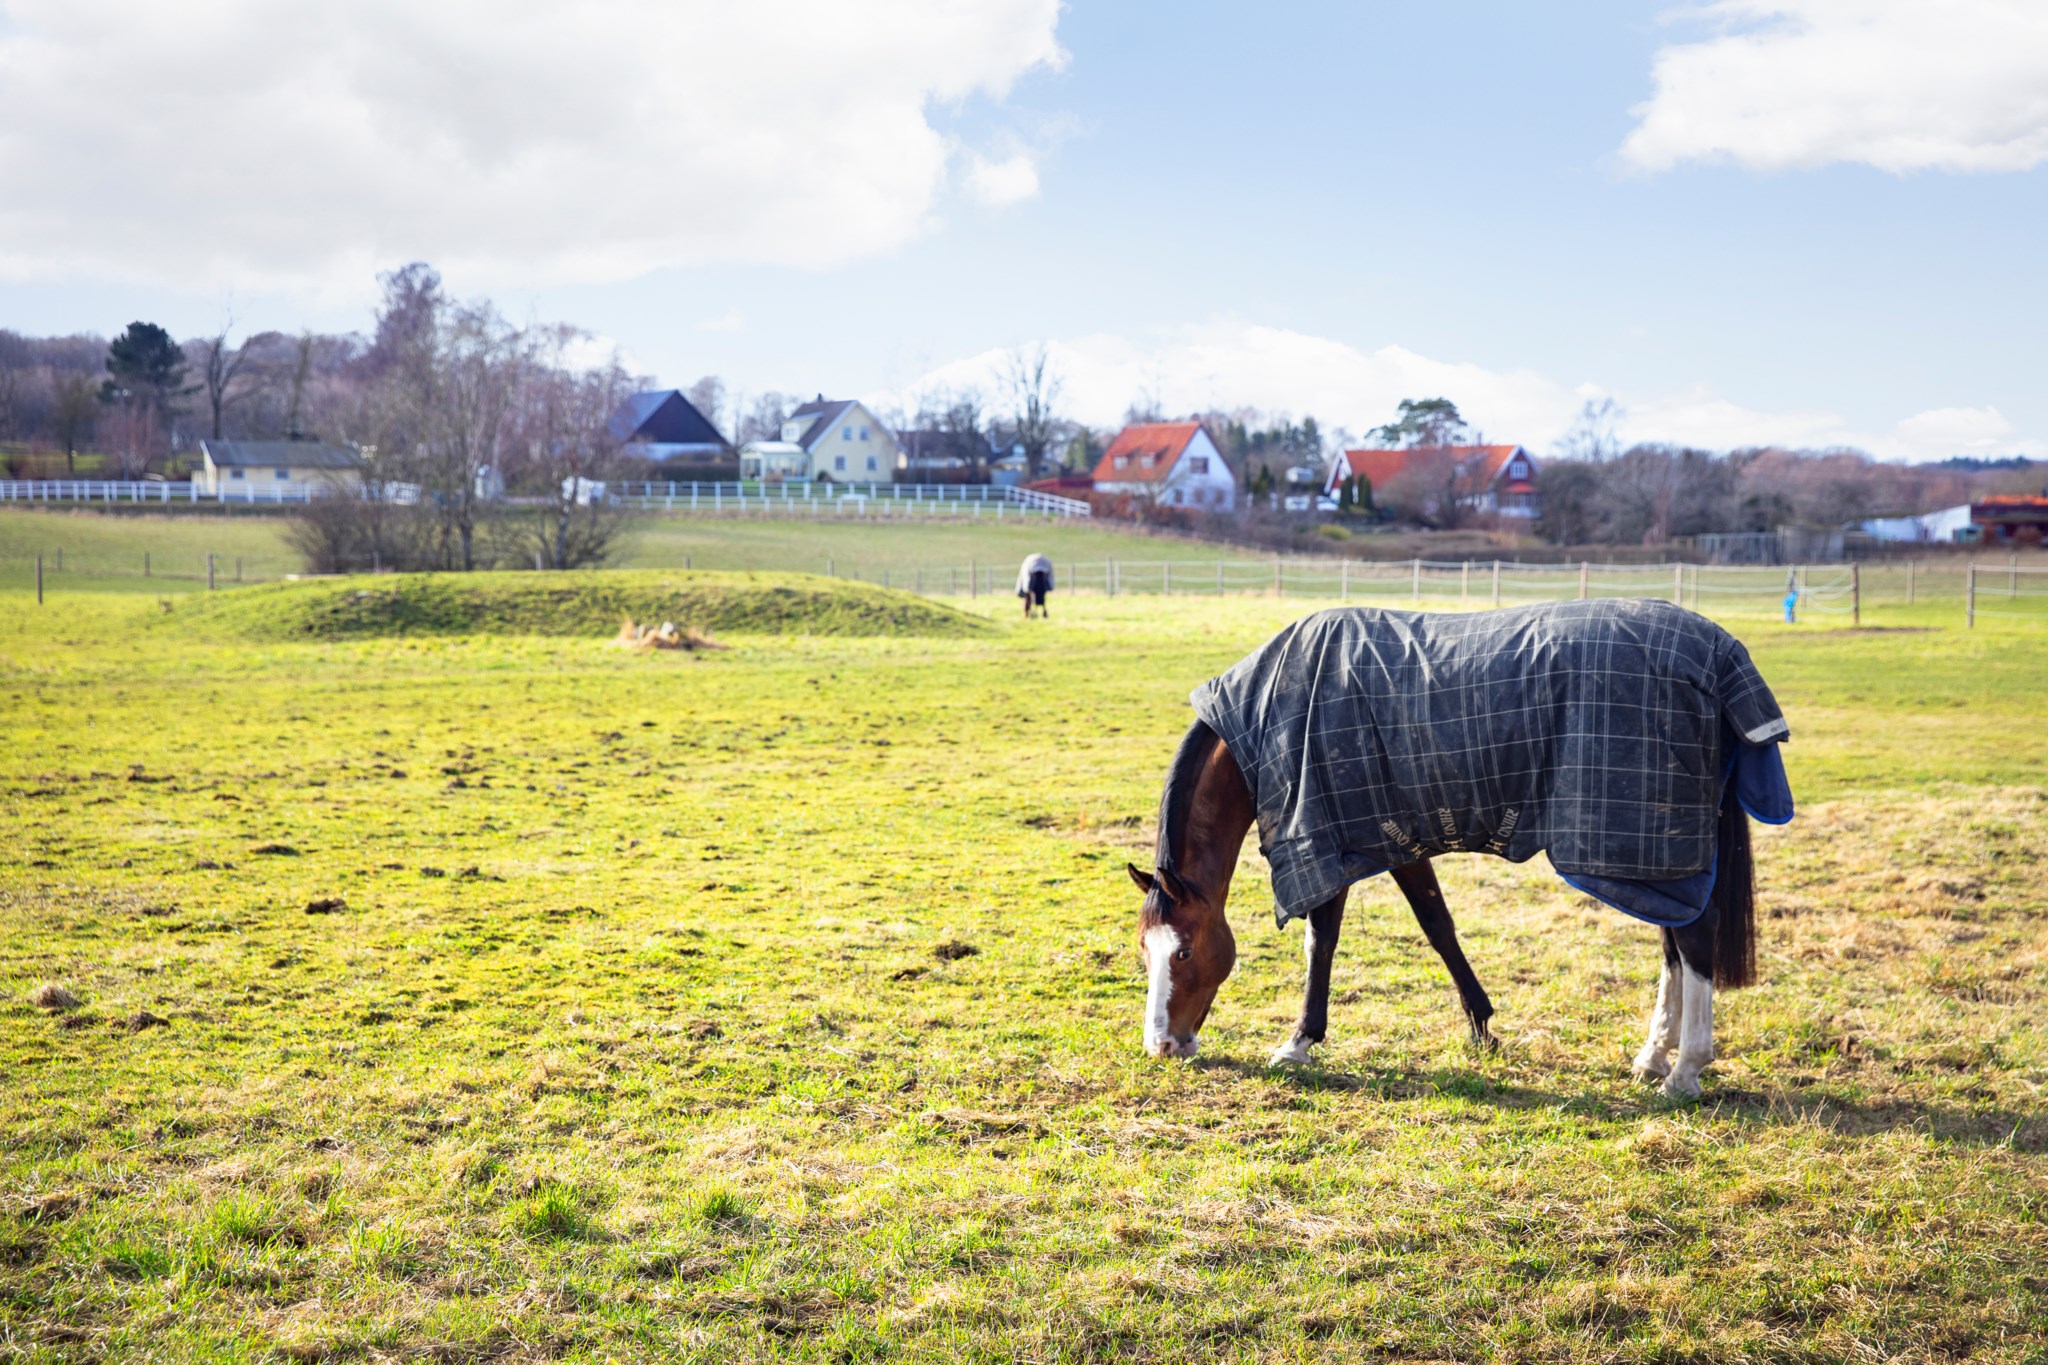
668, 429
1174, 464
844, 440
232, 466
1489, 480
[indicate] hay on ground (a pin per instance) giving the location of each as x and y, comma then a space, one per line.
51, 996
667, 635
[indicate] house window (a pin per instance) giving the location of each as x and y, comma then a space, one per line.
284, 473
846, 433
1198, 464
234, 473
1176, 497
839, 463
871, 464
864, 436
1122, 462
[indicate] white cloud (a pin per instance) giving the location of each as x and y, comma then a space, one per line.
1229, 364
1008, 181
1902, 85
270, 143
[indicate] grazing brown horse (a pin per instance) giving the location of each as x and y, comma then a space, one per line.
1208, 806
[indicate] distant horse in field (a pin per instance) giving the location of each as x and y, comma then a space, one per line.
1629, 740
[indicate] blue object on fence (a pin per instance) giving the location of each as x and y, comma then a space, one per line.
1791, 606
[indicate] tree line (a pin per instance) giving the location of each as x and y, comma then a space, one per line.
449, 403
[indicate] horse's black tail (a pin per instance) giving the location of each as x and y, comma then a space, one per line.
1734, 900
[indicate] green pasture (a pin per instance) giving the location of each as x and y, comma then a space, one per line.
484, 996
105, 552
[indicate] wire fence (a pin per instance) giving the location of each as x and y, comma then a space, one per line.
1935, 591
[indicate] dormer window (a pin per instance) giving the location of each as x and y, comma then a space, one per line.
863, 433
1122, 462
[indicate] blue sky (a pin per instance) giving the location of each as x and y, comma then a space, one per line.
1824, 229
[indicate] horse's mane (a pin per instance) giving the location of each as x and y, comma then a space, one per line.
1178, 799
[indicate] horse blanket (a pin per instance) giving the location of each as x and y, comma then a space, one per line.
1599, 732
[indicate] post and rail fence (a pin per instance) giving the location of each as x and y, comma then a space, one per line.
1841, 593
879, 500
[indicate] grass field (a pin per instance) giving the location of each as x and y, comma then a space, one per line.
489, 997
105, 553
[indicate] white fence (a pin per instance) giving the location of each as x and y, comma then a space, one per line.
758, 499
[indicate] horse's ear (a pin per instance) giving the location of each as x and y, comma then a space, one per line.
1176, 889
1143, 879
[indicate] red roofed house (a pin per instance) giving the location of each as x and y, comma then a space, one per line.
1174, 464
1490, 480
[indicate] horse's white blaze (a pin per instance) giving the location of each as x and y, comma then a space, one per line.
1695, 1035
1161, 943
1652, 1063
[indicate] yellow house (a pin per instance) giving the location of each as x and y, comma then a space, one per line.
234, 469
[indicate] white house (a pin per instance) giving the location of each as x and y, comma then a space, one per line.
775, 461
1491, 480
845, 442
1174, 464
1929, 528
227, 468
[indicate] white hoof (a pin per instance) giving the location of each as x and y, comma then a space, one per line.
1680, 1085
1293, 1052
1650, 1067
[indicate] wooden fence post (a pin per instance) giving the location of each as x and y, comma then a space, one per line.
1855, 594
1496, 582
209, 571
1465, 584
1279, 582
1415, 579
2012, 588
1585, 572
145, 563
1970, 597
1166, 579
1678, 585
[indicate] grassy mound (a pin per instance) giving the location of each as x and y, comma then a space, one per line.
589, 604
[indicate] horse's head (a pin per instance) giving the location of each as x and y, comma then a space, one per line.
1188, 950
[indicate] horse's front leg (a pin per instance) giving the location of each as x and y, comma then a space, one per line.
1325, 922
1426, 898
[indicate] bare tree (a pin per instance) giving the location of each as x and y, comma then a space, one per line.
1591, 436
565, 448
1033, 388
220, 366
707, 395
78, 404
763, 421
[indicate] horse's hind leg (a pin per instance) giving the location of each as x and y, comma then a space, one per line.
1325, 922
1695, 1022
1418, 882
1653, 1063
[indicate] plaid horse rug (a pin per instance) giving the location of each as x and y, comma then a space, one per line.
1599, 732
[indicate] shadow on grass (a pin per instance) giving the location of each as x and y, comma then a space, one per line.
1758, 1108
